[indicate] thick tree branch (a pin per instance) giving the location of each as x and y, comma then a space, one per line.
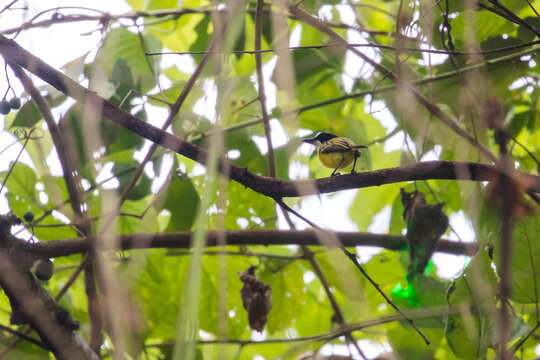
274, 188
76, 199
64, 343
31, 304
57, 248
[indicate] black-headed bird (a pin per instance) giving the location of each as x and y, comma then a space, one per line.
336, 152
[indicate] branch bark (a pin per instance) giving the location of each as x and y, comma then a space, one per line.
274, 188
76, 199
57, 248
31, 304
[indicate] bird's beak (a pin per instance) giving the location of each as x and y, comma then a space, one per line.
311, 141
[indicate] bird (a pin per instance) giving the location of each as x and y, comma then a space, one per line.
336, 152
425, 225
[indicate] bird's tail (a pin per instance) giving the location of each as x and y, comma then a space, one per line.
359, 147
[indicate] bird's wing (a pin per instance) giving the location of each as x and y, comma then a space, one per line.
336, 145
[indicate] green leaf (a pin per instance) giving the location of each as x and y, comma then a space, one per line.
23, 350
22, 194
122, 173
72, 128
27, 116
467, 337
387, 271
378, 14
157, 276
409, 345
132, 225
363, 215
317, 62
483, 24
525, 263
121, 73
182, 201
469, 332
258, 210
178, 35
203, 37
342, 274
123, 139
431, 293
54, 233
120, 43
287, 295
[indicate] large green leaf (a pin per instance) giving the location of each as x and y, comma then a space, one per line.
469, 332
409, 345
287, 295
27, 116
363, 215
22, 194
121, 43
483, 24
182, 201
525, 264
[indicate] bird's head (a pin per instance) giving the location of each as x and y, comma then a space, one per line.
320, 138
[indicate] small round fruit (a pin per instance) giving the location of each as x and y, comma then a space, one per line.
44, 269
28, 216
15, 103
4, 107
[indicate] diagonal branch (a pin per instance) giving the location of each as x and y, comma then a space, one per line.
76, 200
175, 108
332, 241
273, 188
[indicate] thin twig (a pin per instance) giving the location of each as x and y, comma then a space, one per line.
27, 137
528, 152
24, 336
340, 318
514, 18
309, 255
353, 258
8, 6
354, 45
522, 341
532, 7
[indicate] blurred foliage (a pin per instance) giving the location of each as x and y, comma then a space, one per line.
458, 315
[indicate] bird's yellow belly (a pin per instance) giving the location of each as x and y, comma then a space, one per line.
336, 160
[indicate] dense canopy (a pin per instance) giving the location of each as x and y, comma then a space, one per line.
162, 204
